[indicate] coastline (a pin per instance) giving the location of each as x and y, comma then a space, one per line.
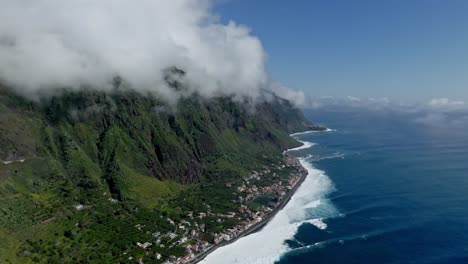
311, 131
258, 226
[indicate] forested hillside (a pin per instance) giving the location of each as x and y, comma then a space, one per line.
84, 165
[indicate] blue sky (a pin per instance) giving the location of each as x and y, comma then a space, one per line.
402, 49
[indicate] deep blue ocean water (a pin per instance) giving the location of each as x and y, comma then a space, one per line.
399, 195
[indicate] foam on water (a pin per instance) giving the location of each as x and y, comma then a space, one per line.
313, 131
312, 204
268, 245
351, 238
333, 156
305, 145
318, 223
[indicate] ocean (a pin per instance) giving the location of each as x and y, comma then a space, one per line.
383, 187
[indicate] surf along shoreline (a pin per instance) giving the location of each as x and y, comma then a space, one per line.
258, 226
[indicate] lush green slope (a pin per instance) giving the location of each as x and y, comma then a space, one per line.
88, 148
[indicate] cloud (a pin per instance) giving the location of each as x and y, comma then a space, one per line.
352, 98
445, 119
330, 102
294, 96
437, 112
384, 103
446, 104
54, 43
444, 112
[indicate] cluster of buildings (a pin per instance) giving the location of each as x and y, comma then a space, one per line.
191, 234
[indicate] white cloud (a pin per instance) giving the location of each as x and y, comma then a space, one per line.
296, 97
445, 102
56, 43
353, 98
384, 103
349, 102
438, 112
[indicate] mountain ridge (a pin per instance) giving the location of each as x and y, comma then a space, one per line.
80, 146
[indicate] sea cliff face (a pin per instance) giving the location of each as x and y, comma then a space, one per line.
85, 150
160, 140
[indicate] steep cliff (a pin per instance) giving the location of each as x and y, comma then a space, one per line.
89, 147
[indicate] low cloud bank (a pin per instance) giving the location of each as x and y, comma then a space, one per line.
437, 112
330, 102
383, 103
445, 104
49, 44
443, 112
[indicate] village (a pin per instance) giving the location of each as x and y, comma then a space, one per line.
191, 233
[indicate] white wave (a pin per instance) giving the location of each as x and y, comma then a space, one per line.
313, 204
334, 156
313, 131
305, 145
268, 245
318, 223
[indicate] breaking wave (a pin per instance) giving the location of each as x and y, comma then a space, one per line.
313, 131
309, 205
313, 158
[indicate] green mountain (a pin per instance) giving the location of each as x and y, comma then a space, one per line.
79, 170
